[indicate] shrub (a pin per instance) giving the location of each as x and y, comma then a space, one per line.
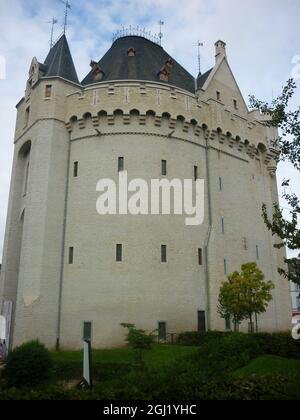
279, 344
29, 365
194, 338
101, 371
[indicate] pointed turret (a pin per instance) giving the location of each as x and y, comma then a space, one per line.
59, 61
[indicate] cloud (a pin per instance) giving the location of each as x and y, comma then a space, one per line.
262, 38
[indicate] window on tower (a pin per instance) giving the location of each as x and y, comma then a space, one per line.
195, 173
120, 164
218, 95
71, 255
235, 104
220, 184
200, 256
48, 91
164, 253
119, 253
75, 170
225, 266
164, 167
27, 115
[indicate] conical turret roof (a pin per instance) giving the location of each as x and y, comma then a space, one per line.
59, 61
147, 60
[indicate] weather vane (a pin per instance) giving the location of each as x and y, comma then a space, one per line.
160, 35
68, 7
53, 23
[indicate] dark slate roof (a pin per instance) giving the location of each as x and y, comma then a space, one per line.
59, 61
146, 64
202, 79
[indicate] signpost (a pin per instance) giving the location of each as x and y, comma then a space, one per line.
87, 381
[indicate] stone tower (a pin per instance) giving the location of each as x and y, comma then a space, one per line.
65, 267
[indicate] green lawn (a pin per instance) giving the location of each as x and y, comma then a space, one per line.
268, 365
160, 354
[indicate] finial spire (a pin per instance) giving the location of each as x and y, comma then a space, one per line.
53, 23
199, 45
160, 35
67, 8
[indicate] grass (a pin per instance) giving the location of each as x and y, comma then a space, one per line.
269, 365
160, 354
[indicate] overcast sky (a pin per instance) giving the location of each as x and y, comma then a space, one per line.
262, 39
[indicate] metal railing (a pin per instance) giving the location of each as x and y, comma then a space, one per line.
136, 31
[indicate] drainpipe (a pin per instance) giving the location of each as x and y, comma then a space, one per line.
58, 331
207, 282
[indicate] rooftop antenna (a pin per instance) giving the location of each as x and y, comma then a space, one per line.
199, 45
160, 35
68, 7
53, 23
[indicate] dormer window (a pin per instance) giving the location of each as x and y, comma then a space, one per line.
165, 71
97, 72
131, 52
163, 75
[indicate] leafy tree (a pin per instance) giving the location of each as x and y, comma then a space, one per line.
231, 303
139, 340
256, 292
288, 144
245, 295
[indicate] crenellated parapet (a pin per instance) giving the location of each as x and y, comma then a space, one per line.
125, 108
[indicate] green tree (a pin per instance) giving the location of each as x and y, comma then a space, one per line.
139, 340
245, 295
256, 292
231, 304
288, 121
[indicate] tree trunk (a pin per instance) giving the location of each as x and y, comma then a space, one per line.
251, 329
256, 323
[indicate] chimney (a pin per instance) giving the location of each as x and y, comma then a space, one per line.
220, 50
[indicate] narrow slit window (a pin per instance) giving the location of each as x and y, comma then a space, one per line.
71, 255
120, 164
27, 115
220, 184
225, 266
195, 173
119, 253
75, 171
48, 91
223, 225
257, 252
235, 104
164, 167
200, 256
218, 95
164, 253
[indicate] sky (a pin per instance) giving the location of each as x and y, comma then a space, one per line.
263, 45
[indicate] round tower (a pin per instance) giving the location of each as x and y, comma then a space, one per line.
138, 115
